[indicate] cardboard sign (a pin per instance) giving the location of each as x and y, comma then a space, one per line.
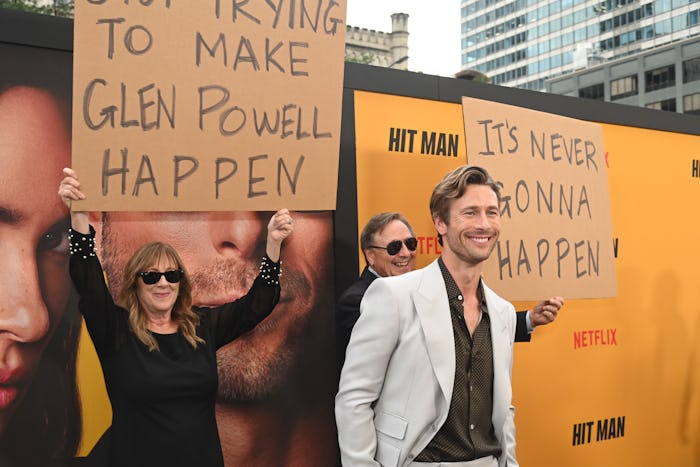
556, 229
207, 105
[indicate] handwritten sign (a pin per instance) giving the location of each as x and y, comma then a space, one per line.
556, 230
207, 105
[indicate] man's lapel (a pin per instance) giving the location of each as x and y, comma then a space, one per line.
502, 343
433, 309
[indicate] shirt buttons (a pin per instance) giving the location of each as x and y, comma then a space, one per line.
471, 427
459, 297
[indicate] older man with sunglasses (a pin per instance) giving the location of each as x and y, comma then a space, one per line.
389, 246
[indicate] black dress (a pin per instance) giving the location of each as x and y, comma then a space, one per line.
163, 400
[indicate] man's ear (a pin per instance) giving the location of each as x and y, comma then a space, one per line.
440, 225
370, 255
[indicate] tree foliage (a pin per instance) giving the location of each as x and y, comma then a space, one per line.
367, 58
55, 7
471, 74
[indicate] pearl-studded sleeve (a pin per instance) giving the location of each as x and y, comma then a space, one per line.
102, 316
235, 318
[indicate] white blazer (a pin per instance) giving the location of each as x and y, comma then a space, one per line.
396, 384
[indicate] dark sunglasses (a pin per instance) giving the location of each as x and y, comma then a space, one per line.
151, 277
394, 246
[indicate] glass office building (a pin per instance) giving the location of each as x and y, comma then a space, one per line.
662, 78
520, 43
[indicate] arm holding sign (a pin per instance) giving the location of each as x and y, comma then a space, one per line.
69, 190
543, 313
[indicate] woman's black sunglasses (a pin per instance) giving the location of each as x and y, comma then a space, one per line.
394, 246
151, 277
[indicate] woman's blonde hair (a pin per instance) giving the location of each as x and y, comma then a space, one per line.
187, 320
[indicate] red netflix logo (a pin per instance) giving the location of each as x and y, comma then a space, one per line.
595, 337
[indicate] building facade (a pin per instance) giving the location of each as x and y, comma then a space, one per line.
665, 78
387, 49
522, 43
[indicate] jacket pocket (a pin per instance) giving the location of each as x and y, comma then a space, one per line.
391, 425
387, 454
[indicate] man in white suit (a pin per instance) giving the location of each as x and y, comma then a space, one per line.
427, 376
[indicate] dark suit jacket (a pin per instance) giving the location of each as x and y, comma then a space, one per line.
521, 334
348, 310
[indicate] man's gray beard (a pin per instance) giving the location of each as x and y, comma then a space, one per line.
221, 278
253, 376
247, 373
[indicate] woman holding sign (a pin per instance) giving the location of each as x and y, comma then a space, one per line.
158, 353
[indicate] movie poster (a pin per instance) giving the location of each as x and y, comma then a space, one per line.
276, 382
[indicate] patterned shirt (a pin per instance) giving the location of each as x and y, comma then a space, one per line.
467, 433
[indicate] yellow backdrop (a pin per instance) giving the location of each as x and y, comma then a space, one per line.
613, 381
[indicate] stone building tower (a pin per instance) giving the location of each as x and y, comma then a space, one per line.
387, 49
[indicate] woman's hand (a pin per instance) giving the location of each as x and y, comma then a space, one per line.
69, 190
280, 226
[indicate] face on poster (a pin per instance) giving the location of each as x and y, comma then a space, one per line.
39, 323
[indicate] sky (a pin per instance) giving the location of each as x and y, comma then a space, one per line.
433, 28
